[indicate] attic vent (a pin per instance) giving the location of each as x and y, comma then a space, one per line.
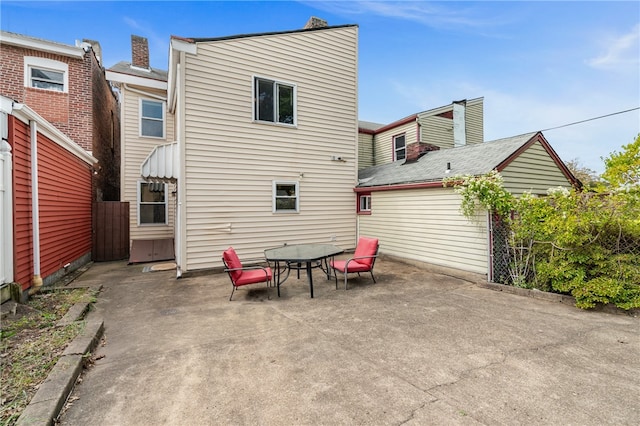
314, 22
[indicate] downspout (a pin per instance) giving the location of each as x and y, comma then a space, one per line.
180, 223
36, 282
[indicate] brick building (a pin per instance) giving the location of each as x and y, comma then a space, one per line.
66, 86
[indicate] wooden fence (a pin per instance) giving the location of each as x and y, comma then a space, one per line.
110, 231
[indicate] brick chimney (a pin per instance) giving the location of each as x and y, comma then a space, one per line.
314, 22
418, 149
139, 52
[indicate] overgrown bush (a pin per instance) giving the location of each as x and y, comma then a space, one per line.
583, 244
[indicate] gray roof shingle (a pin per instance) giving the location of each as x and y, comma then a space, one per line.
124, 67
467, 160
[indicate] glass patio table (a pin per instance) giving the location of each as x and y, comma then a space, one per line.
298, 254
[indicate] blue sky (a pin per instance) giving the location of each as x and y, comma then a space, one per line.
538, 65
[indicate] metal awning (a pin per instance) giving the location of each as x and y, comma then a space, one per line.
162, 163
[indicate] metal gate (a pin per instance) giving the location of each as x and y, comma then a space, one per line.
110, 231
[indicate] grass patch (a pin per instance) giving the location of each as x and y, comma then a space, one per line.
31, 344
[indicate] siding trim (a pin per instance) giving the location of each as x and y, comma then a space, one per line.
26, 114
437, 184
539, 137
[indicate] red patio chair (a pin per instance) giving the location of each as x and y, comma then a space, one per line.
244, 275
362, 261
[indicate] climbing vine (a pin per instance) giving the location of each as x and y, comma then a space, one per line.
583, 244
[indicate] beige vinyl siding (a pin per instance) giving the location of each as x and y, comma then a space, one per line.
437, 131
474, 121
533, 171
231, 161
425, 225
365, 151
135, 151
383, 142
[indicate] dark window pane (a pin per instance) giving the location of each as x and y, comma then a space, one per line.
286, 190
152, 192
152, 109
152, 128
152, 213
54, 76
264, 101
285, 104
285, 203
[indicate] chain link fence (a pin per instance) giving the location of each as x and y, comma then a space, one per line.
512, 265
499, 251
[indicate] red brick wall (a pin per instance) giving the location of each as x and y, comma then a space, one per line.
12, 72
52, 106
106, 136
88, 113
70, 112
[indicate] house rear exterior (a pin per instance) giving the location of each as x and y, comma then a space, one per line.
269, 124
146, 122
418, 219
261, 143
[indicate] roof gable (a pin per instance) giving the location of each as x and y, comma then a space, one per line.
476, 159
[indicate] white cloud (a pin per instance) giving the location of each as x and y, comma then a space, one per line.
621, 52
437, 15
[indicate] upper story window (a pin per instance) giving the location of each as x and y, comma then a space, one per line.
399, 147
152, 118
275, 101
43, 73
286, 197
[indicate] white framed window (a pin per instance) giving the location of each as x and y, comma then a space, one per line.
274, 101
152, 114
286, 197
43, 73
399, 147
364, 203
152, 203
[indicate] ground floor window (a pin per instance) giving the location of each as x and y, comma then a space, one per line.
364, 203
286, 197
152, 203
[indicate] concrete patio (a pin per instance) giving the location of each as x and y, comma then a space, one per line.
416, 348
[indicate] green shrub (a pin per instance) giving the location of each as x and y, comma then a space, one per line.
583, 244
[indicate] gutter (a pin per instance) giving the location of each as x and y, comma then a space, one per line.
394, 187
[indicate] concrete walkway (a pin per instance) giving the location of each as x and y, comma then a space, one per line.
416, 348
